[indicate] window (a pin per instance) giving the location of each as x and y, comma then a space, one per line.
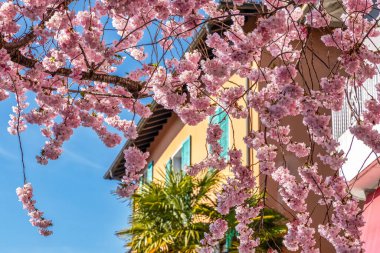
221, 118
186, 153
177, 158
147, 177
149, 172
181, 158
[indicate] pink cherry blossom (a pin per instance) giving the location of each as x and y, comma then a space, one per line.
294, 194
318, 19
299, 149
217, 230
300, 235
25, 195
135, 162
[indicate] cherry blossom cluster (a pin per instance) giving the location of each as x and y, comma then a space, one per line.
17, 123
293, 193
214, 133
318, 18
333, 191
217, 230
266, 153
214, 160
244, 216
25, 196
235, 193
300, 234
135, 162
237, 189
366, 133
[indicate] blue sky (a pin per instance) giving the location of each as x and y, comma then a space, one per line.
71, 191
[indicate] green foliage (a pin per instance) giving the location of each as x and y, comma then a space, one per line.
173, 216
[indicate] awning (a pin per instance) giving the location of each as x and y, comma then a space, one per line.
371, 229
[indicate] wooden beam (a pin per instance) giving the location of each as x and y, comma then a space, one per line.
156, 122
143, 148
159, 115
147, 139
150, 130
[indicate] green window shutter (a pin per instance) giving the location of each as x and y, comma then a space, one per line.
186, 153
229, 237
149, 172
167, 169
224, 140
221, 118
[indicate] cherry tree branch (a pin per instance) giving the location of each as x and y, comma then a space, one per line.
29, 37
133, 87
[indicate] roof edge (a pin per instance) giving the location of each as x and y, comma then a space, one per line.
119, 157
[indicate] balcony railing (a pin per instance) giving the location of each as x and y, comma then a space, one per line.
342, 120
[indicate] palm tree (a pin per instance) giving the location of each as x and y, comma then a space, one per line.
172, 216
